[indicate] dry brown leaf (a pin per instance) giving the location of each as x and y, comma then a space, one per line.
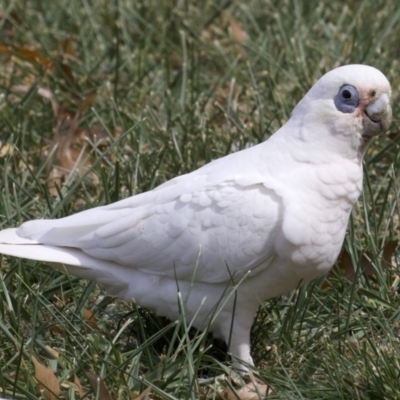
52, 351
68, 74
388, 253
145, 395
237, 32
366, 262
9, 21
8, 59
98, 386
73, 143
7, 149
58, 330
26, 53
68, 48
87, 101
353, 343
346, 266
90, 319
394, 136
250, 391
227, 93
74, 148
78, 386
12, 16
56, 63
47, 382
71, 151
33, 56
60, 299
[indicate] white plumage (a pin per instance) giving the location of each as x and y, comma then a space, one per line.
263, 220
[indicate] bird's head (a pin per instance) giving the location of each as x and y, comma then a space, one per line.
345, 109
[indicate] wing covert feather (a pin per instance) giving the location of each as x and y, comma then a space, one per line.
226, 237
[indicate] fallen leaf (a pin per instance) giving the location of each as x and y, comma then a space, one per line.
68, 47
237, 32
61, 63
52, 351
388, 253
26, 53
7, 149
33, 56
394, 136
90, 319
47, 382
11, 17
86, 102
72, 152
145, 395
227, 94
67, 74
345, 265
78, 386
58, 330
250, 391
98, 386
9, 22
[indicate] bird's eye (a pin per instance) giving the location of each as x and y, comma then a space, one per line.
346, 94
347, 99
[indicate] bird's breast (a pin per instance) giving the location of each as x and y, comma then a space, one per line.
316, 214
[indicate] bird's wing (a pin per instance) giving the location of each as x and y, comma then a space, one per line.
211, 225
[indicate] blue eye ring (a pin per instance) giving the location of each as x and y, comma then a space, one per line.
347, 99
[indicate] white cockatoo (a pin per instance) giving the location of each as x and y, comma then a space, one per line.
240, 230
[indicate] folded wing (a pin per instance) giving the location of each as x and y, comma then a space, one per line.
209, 226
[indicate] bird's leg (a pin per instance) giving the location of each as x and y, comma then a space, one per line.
237, 336
241, 358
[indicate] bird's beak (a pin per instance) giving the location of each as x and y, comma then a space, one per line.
377, 116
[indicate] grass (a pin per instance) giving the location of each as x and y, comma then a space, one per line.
176, 85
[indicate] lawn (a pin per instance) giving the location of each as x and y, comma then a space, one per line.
101, 100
